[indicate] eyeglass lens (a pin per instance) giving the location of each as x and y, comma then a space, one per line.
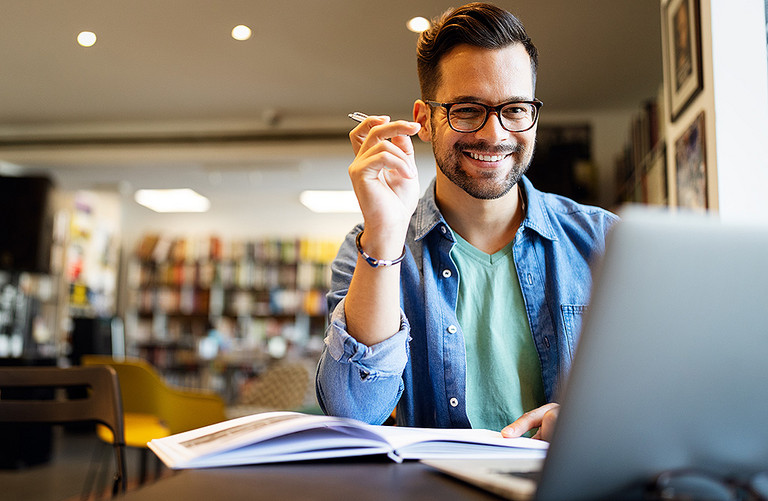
514, 117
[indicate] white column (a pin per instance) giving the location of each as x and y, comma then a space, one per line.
740, 93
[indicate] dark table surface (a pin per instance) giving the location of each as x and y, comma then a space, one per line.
354, 479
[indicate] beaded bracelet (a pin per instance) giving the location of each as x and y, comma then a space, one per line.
376, 263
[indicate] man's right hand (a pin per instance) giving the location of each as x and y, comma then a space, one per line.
385, 181
386, 184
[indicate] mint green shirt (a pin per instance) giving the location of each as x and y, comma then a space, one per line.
503, 369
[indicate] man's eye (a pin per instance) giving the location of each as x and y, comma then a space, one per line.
516, 111
466, 110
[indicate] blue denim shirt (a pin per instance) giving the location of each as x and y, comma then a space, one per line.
421, 369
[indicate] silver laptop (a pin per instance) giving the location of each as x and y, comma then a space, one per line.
671, 370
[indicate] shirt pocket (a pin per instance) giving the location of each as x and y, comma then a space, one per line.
573, 316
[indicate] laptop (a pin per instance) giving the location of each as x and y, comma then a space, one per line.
671, 369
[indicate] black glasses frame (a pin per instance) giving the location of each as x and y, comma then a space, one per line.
488, 109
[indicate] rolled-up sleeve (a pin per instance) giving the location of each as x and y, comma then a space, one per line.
359, 381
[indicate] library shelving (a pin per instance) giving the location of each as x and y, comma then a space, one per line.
641, 170
203, 309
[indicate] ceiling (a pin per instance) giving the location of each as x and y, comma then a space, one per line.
166, 85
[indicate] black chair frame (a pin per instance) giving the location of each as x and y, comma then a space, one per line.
102, 403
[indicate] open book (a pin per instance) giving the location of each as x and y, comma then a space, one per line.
291, 436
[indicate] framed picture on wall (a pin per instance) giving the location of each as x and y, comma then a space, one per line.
682, 27
691, 166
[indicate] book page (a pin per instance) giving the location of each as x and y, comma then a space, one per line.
264, 437
423, 443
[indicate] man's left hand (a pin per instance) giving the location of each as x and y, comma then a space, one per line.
543, 418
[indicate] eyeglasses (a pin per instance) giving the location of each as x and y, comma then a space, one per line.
689, 484
514, 116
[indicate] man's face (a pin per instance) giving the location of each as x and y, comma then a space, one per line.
487, 163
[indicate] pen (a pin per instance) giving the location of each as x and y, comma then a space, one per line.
357, 116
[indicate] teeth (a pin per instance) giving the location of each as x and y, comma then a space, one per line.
486, 158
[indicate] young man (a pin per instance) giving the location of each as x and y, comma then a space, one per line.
461, 309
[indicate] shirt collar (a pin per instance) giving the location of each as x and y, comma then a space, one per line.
427, 216
536, 216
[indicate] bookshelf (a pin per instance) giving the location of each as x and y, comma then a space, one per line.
641, 168
201, 309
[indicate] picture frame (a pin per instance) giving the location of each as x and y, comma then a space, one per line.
682, 41
691, 166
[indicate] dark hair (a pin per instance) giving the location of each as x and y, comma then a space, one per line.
479, 24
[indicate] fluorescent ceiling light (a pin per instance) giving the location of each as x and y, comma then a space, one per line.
175, 200
330, 201
9, 169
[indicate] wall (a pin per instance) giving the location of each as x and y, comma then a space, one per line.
735, 103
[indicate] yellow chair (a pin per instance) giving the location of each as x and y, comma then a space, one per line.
152, 408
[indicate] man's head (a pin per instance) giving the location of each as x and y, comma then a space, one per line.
477, 71
478, 24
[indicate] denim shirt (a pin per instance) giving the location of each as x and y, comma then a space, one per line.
421, 369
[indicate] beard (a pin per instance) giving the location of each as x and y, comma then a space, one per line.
487, 187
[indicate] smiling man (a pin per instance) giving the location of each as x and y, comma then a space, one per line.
460, 309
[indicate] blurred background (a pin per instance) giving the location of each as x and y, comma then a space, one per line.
168, 95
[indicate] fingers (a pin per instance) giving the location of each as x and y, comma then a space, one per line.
381, 157
547, 427
359, 133
543, 417
379, 128
376, 155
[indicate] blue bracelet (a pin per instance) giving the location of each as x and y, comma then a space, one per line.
376, 263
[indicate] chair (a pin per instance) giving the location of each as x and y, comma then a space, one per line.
101, 403
283, 386
152, 408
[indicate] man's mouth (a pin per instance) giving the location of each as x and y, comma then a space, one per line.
486, 158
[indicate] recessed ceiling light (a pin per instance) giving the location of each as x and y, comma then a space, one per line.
86, 38
330, 201
173, 200
418, 24
241, 32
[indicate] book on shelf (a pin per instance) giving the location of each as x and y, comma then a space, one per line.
273, 437
146, 246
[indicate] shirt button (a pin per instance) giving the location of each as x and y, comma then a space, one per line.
454, 402
530, 279
443, 230
446, 273
452, 329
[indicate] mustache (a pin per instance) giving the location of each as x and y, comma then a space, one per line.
493, 149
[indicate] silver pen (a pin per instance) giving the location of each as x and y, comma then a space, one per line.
357, 116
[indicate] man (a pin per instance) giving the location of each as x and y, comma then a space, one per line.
461, 309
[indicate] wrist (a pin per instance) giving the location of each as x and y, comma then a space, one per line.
383, 241
374, 261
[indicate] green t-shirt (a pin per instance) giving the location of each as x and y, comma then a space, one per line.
503, 367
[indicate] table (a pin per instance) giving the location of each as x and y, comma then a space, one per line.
369, 479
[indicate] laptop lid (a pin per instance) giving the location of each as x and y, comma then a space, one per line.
671, 369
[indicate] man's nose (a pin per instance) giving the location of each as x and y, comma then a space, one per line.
492, 129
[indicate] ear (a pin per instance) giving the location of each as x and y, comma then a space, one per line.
421, 114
